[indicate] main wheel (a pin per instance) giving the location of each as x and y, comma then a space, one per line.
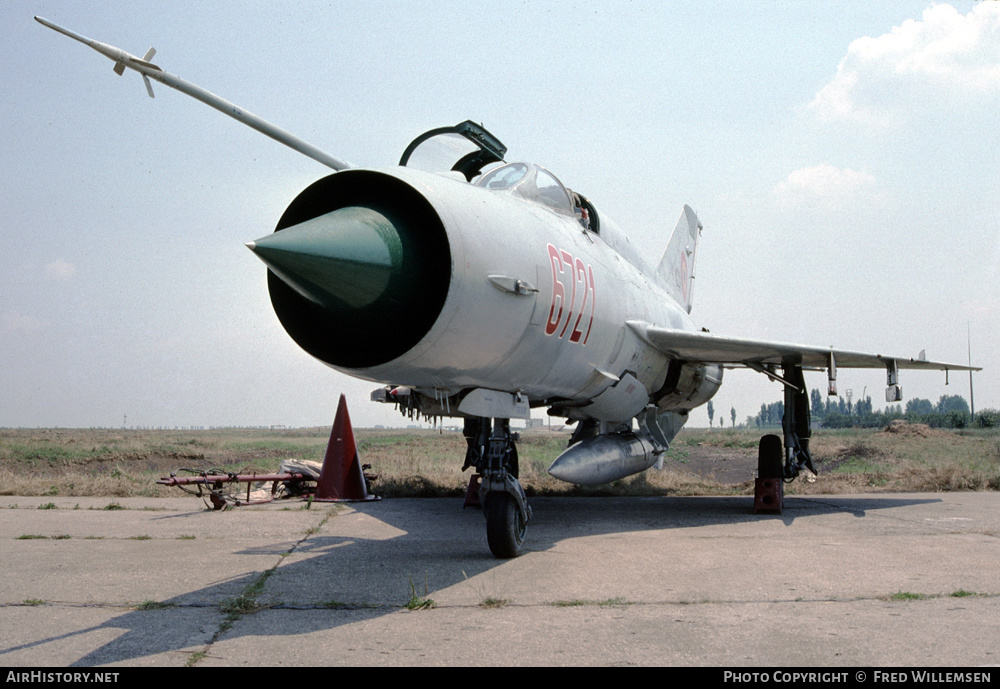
505, 527
770, 459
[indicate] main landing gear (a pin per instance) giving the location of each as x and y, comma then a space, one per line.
773, 467
492, 452
795, 423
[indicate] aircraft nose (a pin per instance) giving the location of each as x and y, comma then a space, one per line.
342, 260
359, 268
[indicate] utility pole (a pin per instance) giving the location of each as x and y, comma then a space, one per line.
972, 399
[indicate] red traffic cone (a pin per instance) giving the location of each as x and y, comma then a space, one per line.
472, 492
341, 479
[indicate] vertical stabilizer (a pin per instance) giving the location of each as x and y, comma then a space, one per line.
676, 270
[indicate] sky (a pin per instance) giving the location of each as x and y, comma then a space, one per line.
844, 158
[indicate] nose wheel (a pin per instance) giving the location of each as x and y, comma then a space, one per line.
505, 506
505, 526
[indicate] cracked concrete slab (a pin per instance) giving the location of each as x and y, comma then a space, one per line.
875, 579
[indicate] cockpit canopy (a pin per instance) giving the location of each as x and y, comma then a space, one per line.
471, 151
466, 148
530, 182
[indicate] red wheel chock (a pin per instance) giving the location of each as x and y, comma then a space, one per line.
472, 492
768, 495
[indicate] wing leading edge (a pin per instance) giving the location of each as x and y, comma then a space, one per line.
704, 347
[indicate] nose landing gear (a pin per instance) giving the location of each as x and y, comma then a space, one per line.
494, 455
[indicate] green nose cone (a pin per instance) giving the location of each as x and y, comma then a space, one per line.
345, 259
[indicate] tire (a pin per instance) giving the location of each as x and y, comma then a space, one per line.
505, 528
770, 457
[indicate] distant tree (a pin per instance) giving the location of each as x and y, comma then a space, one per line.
711, 413
732, 414
919, 405
816, 403
988, 418
770, 415
836, 420
949, 403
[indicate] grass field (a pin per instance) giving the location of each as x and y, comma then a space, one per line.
125, 463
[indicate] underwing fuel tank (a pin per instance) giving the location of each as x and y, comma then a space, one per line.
604, 458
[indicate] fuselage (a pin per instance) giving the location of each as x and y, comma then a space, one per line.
526, 299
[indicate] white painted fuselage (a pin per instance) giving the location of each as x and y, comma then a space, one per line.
536, 304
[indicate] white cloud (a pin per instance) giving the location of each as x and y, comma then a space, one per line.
60, 269
824, 186
921, 63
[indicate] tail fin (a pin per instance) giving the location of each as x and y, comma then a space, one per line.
676, 270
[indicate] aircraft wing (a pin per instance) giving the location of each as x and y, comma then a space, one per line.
704, 347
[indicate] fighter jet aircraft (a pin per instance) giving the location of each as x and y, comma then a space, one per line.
474, 287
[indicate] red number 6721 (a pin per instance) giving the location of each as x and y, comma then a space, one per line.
569, 272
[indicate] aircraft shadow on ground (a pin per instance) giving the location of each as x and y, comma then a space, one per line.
450, 542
